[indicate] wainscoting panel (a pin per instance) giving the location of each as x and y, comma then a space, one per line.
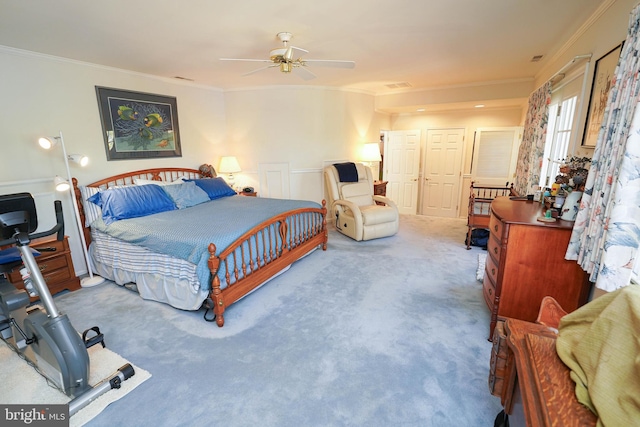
274, 180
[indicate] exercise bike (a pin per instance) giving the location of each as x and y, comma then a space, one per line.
43, 335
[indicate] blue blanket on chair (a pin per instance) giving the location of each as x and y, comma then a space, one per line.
347, 172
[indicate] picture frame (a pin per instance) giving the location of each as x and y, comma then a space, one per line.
603, 75
138, 125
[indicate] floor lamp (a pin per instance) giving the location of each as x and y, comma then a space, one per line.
61, 185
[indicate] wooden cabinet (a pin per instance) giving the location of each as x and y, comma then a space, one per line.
526, 263
55, 265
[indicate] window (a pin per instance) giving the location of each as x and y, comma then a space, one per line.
562, 127
558, 137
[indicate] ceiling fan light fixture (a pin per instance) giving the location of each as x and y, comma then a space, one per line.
285, 67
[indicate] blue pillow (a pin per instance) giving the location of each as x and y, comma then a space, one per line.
214, 187
186, 194
132, 202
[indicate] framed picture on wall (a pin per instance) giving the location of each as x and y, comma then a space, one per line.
138, 125
602, 81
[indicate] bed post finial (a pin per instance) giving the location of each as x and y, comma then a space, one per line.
216, 292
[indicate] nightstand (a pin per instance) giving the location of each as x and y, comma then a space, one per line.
380, 189
252, 194
55, 265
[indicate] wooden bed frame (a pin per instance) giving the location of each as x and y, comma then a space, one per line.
301, 230
480, 198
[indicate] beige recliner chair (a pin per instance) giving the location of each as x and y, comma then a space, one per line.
353, 205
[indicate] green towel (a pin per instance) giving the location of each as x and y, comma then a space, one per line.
600, 343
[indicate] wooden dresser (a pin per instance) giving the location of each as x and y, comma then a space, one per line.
55, 264
526, 263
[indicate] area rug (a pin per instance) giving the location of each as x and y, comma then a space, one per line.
21, 384
482, 259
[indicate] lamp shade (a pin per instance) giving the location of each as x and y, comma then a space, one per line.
229, 164
79, 159
371, 152
47, 143
61, 183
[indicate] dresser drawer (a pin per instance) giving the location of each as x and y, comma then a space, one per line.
496, 227
45, 247
48, 267
489, 291
491, 269
494, 247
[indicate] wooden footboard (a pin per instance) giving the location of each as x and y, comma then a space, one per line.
263, 252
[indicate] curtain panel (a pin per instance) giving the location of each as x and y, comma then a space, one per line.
606, 234
531, 150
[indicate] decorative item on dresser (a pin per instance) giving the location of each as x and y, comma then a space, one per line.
480, 198
55, 265
526, 263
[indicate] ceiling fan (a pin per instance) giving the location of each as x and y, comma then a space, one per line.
287, 58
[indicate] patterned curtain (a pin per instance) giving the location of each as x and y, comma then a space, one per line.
606, 234
534, 137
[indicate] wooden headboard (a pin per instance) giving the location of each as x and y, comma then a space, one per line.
157, 174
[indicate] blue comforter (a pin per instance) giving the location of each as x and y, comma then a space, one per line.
186, 233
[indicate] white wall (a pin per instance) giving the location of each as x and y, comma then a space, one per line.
301, 126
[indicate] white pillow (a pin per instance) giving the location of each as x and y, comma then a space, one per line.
91, 210
139, 181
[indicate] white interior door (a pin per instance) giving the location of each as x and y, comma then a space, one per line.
495, 154
442, 172
401, 169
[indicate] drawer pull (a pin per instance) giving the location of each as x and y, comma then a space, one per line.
495, 250
490, 291
493, 271
47, 249
495, 227
42, 267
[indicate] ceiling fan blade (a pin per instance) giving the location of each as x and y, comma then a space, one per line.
245, 60
260, 69
330, 63
292, 52
303, 73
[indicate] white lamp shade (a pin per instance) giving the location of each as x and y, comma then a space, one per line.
47, 143
229, 164
371, 152
79, 159
61, 184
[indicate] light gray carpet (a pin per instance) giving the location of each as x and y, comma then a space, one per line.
381, 333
